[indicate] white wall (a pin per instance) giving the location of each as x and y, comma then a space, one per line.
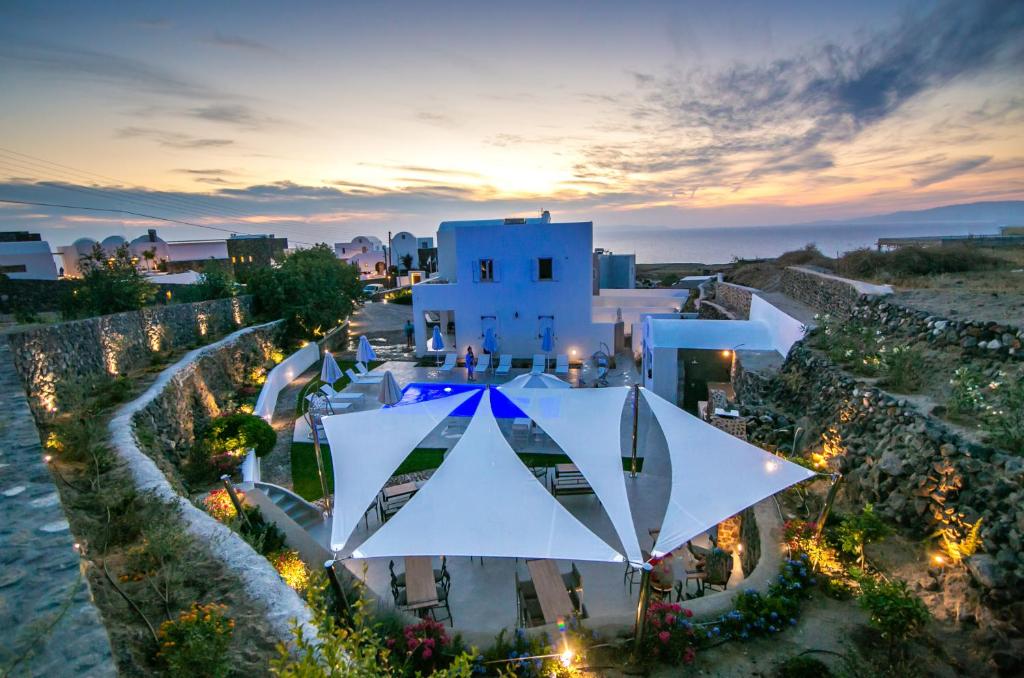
34, 255
403, 244
515, 299
190, 251
783, 329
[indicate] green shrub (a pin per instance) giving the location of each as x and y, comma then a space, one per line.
802, 666
112, 391
860, 529
197, 642
966, 396
402, 297
224, 443
904, 367
893, 610
262, 535
1004, 416
915, 261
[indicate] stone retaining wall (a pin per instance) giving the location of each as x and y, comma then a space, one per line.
915, 470
826, 293
51, 626
992, 340
59, 363
709, 310
735, 297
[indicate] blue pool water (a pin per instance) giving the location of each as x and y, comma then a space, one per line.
502, 407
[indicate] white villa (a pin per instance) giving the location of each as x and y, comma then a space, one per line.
365, 251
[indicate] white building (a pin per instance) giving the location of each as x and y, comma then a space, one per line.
667, 343
405, 244
614, 271
516, 277
365, 251
25, 256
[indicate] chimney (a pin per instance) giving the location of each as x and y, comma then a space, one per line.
151, 234
545, 217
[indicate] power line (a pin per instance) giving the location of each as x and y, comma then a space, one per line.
134, 214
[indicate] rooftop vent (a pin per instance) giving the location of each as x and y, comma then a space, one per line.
514, 220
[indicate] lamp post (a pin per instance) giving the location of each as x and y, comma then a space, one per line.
314, 412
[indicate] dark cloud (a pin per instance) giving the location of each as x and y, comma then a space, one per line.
951, 170
172, 139
239, 42
206, 172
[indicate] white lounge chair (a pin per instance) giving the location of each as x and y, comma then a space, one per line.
338, 395
483, 363
504, 364
539, 363
562, 364
361, 368
449, 362
364, 378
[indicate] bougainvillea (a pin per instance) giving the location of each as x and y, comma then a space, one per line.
670, 636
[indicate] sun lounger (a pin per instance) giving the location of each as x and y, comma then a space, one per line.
449, 362
539, 363
337, 395
562, 364
483, 363
334, 406
364, 378
361, 368
504, 364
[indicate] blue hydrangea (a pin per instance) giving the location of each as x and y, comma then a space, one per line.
716, 630
792, 621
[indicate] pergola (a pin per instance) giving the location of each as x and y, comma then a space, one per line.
483, 501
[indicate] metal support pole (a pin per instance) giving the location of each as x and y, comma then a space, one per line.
343, 610
642, 603
226, 479
314, 418
829, 499
636, 417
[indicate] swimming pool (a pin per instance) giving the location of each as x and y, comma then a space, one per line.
502, 407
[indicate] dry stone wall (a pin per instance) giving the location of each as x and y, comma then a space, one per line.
59, 363
734, 297
826, 293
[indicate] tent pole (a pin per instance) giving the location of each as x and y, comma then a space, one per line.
636, 416
315, 419
343, 609
235, 501
642, 603
829, 499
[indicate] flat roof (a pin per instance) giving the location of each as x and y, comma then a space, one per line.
752, 335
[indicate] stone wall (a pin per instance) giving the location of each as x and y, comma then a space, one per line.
709, 310
166, 427
972, 338
59, 363
826, 293
915, 470
734, 297
52, 626
38, 296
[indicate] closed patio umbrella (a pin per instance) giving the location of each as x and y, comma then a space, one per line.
365, 353
330, 372
546, 344
490, 341
437, 342
389, 391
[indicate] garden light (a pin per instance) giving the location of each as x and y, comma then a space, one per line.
938, 559
566, 657
47, 458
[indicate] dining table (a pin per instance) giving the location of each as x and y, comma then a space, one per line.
420, 589
551, 592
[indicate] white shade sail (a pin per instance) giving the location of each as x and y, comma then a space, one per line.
595, 448
714, 475
367, 447
483, 501
541, 380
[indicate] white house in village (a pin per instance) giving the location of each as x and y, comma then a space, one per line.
25, 256
405, 244
517, 277
365, 251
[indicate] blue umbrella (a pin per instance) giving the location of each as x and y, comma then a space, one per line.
490, 341
365, 353
438, 340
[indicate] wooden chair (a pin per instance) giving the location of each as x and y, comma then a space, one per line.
528, 610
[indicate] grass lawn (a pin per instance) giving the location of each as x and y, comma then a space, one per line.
301, 405
307, 484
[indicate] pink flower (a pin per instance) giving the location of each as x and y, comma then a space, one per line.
689, 655
675, 607
411, 644
429, 642
391, 642
427, 653
688, 612
664, 636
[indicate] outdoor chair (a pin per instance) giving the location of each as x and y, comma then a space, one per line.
333, 406
528, 611
562, 364
713, 573
449, 362
361, 368
337, 395
483, 363
440, 575
504, 364
364, 378
539, 363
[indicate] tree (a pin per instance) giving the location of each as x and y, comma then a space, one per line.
406, 262
215, 282
312, 290
111, 283
149, 255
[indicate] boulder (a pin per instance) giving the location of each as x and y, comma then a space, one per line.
986, 571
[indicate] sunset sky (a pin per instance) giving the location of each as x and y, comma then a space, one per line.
323, 120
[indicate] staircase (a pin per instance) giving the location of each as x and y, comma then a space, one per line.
304, 514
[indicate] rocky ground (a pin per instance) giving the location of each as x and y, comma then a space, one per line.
1002, 303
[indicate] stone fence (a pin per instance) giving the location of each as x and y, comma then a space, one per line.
988, 339
60, 363
913, 468
734, 297
827, 293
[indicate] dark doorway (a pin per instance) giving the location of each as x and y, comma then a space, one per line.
696, 369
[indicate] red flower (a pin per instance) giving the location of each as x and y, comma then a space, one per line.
664, 636
427, 653
675, 607
670, 619
688, 612
689, 655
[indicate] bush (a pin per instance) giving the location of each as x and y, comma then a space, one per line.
403, 297
262, 535
111, 283
966, 396
224, 444
113, 391
915, 261
292, 569
904, 366
860, 529
759, 614
196, 643
216, 282
893, 609
219, 505
802, 666
1004, 415
424, 646
670, 637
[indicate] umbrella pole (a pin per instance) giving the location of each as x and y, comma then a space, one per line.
320, 462
636, 417
642, 603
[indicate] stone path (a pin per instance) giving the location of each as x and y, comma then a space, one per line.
51, 626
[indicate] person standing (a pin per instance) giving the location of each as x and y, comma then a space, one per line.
409, 330
470, 363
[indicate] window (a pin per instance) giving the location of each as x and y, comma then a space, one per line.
14, 268
487, 270
545, 268
233, 260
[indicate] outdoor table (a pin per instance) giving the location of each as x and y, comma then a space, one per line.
420, 589
401, 490
547, 581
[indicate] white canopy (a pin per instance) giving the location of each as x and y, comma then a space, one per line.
484, 501
595, 448
541, 380
367, 447
714, 475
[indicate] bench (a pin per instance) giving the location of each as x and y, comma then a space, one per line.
569, 480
